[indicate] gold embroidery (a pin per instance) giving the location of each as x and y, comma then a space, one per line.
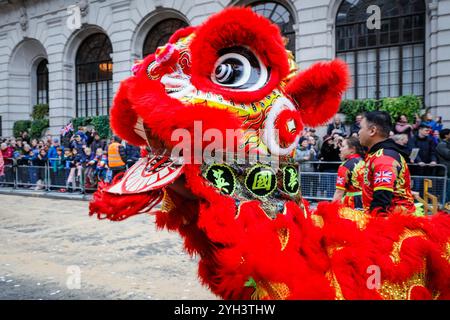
332, 249
436, 295
359, 217
397, 246
167, 203
402, 291
335, 284
283, 235
271, 290
317, 220
446, 254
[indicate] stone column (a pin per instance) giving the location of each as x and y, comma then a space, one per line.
61, 95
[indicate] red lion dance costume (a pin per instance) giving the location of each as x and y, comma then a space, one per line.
255, 235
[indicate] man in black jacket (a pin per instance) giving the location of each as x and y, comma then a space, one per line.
356, 126
426, 145
427, 153
97, 143
133, 154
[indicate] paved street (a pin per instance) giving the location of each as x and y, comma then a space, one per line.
45, 242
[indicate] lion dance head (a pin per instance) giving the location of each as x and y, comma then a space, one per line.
245, 218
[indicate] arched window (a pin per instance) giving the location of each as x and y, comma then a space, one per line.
159, 35
42, 82
94, 76
384, 62
280, 15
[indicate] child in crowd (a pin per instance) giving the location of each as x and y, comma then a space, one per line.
57, 170
90, 166
39, 162
71, 166
102, 164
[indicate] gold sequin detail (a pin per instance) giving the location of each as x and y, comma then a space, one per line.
283, 235
359, 217
436, 295
402, 291
446, 254
397, 246
317, 220
271, 290
167, 203
335, 284
333, 248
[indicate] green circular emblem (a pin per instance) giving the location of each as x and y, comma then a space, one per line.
291, 180
261, 180
222, 177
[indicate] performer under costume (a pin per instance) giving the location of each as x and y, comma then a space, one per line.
350, 179
387, 182
247, 221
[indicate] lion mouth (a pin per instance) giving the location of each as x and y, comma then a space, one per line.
177, 85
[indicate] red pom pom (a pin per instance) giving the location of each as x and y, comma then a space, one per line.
289, 124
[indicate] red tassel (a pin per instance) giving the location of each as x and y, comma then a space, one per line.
117, 207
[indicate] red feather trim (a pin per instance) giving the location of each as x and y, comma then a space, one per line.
122, 116
181, 33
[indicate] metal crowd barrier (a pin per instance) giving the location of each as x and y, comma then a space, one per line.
320, 185
44, 178
317, 179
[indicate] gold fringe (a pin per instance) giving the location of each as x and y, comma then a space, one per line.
359, 217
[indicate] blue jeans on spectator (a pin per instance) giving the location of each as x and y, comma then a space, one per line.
32, 172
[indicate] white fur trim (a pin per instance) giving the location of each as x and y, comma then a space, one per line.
270, 135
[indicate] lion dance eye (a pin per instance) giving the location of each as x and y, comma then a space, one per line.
239, 68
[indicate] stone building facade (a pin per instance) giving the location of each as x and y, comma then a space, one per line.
73, 54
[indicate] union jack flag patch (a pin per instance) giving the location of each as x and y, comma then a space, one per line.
383, 177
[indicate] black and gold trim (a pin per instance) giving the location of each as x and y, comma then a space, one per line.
261, 180
222, 177
291, 180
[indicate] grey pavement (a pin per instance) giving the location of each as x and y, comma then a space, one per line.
52, 249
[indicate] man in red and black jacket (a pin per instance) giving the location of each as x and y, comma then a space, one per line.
387, 181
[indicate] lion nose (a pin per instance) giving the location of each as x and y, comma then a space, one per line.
167, 55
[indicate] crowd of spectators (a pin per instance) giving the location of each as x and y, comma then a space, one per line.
426, 140
79, 159
76, 161
423, 135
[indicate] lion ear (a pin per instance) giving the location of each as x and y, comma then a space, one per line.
318, 91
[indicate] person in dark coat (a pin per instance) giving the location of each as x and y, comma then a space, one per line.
97, 142
426, 156
133, 154
426, 145
337, 127
329, 153
356, 126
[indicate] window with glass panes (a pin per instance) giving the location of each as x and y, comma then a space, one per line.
281, 16
160, 34
385, 62
42, 82
94, 76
